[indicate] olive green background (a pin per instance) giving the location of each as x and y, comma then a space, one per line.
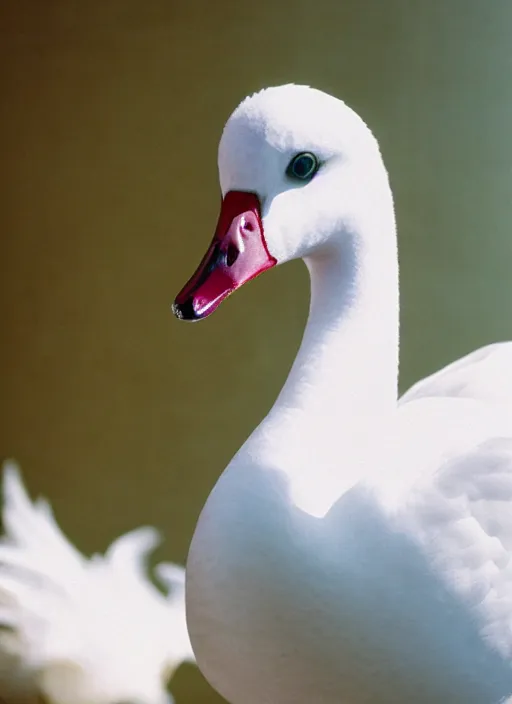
111, 112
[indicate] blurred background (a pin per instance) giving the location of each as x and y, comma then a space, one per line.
111, 111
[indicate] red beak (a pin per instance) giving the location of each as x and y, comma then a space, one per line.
237, 254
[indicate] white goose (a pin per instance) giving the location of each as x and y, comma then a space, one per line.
357, 548
80, 631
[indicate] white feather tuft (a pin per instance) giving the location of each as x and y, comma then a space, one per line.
77, 630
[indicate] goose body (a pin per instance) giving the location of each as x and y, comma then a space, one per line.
83, 631
357, 548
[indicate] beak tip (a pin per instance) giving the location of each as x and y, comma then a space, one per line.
185, 311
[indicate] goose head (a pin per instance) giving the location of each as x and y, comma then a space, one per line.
297, 168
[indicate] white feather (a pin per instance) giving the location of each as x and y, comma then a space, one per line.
78, 630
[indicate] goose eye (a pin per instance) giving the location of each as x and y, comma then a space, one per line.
303, 166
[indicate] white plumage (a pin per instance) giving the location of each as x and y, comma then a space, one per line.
357, 549
83, 631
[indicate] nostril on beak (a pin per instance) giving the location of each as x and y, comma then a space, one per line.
247, 225
232, 254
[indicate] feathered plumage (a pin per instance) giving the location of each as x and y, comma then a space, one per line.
84, 631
